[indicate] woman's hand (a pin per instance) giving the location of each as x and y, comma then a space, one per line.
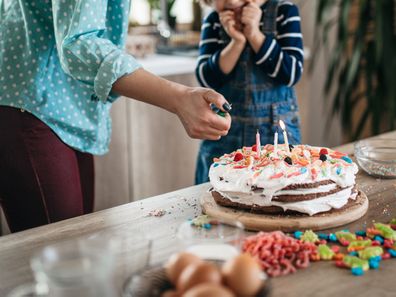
192, 105
227, 20
194, 111
251, 16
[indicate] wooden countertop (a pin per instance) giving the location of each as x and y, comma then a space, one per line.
320, 279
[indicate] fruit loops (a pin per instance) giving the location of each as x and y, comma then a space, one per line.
279, 254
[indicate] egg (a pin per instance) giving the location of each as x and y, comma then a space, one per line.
208, 290
177, 263
243, 275
170, 293
195, 274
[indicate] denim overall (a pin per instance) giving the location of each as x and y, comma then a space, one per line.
258, 103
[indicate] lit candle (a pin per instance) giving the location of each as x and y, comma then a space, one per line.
276, 142
258, 144
282, 125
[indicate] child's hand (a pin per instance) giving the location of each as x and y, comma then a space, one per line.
227, 20
251, 16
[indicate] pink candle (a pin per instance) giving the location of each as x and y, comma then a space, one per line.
258, 144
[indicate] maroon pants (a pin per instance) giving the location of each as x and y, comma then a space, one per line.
42, 180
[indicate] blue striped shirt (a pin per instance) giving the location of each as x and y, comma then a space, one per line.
280, 56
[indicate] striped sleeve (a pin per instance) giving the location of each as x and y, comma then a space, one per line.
208, 70
282, 56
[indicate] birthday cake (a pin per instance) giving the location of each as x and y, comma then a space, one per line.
284, 179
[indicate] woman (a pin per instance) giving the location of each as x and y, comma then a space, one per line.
61, 67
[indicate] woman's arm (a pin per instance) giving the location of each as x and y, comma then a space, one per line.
94, 60
191, 105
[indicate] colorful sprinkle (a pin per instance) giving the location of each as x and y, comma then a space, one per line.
338, 170
303, 170
347, 159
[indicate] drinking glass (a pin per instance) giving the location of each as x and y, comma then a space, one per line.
70, 269
217, 240
130, 249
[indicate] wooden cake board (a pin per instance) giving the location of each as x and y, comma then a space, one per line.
287, 223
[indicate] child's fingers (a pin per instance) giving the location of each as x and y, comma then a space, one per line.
226, 13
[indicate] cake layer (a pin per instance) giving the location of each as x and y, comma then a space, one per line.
323, 204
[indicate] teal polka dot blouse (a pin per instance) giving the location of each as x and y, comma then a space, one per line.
58, 61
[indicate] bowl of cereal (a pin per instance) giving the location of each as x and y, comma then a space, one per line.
377, 157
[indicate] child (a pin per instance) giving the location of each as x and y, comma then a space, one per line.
251, 51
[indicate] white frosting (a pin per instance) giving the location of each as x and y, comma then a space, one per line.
236, 183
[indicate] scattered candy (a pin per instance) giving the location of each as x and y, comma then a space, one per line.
279, 254
325, 252
386, 256
298, 234
332, 237
339, 257
392, 253
309, 236
323, 236
371, 251
345, 235
358, 245
378, 238
357, 271
386, 231
374, 264
352, 261
360, 233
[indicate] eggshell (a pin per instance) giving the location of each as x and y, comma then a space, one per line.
242, 275
209, 290
196, 274
177, 263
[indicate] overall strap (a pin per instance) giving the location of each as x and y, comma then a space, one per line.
269, 17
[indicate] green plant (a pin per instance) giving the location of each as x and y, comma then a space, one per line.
362, 65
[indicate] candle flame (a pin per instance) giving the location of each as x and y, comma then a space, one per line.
282, 125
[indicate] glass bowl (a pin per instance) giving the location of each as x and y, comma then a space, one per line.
377, 157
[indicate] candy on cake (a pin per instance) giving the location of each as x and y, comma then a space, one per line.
282, 179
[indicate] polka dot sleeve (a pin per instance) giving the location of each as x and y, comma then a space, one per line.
84, 53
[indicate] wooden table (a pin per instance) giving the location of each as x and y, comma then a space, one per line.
320, 279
